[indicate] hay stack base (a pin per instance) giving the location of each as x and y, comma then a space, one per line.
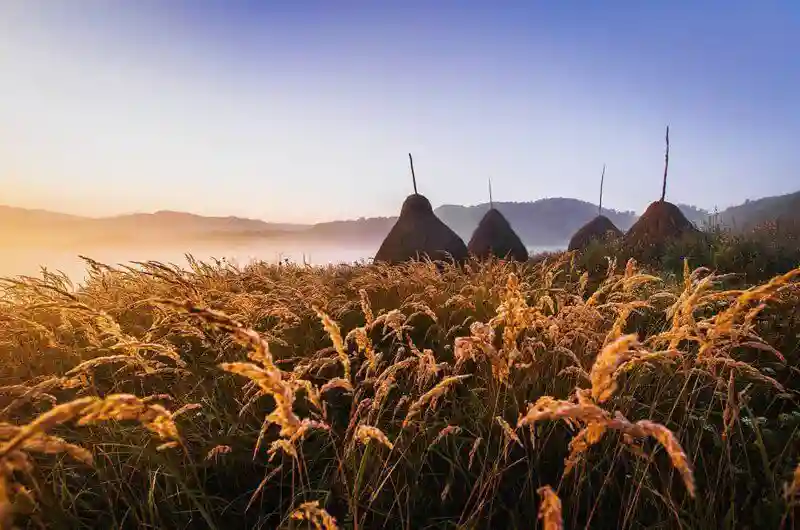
599, 229
661, 223
419, 234
494, 237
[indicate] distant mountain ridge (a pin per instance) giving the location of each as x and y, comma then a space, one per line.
189, 222
751, 213
545, 222
10, 215
542, 223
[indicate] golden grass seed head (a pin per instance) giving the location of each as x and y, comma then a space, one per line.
332, 328
550, 509
217, 451
606, 364
367, 433
318, 517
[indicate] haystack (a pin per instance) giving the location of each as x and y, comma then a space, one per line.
599, 229
660, 223
494, 237
418, 233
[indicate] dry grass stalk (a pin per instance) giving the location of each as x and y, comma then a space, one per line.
548, 408
24, 394
318, 517
337, 382
420, 308
394, 320
606, 364
366, 308
676, 453
474, 450
248, 337
550, 509
313, 394
332, 328
592, 415
513, 313
364, 344
480, 346
18, 441
217, 451
720, 323
186, 408
261, 486
91, 410
431, 396
724, 323
446, 431
355, 416
587, 437
742, 367
508, 433
45, 443
367, 433
270, 381
282, 444
731, 413
269, 378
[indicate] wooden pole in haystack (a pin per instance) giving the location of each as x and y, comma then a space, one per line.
666, 167
602, 177
413, 176
491, 202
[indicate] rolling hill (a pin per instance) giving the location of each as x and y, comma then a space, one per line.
545, 222
781, 208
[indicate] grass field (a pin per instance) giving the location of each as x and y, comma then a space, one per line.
492, 396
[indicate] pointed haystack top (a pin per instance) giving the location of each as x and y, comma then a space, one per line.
598, 229
418, 234
495, 237
415, 205
661, 221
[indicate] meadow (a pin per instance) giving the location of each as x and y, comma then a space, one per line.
493, 395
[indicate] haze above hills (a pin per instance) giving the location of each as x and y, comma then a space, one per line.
541, 223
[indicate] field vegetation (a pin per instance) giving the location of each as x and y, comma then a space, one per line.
566, 392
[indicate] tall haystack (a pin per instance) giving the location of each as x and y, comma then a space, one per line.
661, 222
495, 237
418, 234
598, 229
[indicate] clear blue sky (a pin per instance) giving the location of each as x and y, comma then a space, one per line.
304, 111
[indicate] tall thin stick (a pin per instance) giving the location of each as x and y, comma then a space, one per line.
666, 167
413, 176
491, 202
602, 177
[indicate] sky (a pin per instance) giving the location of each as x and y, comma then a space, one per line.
305, 111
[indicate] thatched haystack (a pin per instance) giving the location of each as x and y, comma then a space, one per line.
660, 223
494, 237
599, 229
418, 234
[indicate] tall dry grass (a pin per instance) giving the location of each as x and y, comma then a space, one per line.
414, 396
